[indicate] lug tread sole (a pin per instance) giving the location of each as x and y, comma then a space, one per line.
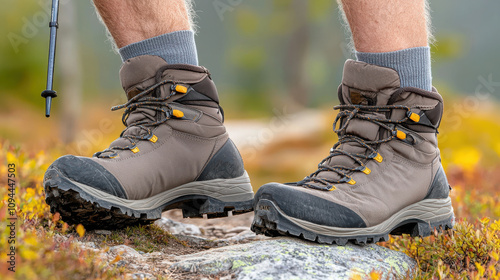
78, 207
270, 222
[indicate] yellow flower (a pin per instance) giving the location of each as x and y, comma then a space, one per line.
28, 254
11, 158
480, 269
356, 276
31, 241
495, 256
374, 275
466, 157
80, 230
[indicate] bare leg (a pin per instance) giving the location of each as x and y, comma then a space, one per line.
393, 34
131, 21
387, 25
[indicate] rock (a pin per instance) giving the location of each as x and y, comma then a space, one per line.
120, 263
223, 233
153, 255
236, 230
227, 277
201, 241
287, 258
140, 276
213, 232
87, 245
191, 238
177, 227
125, 252
242, 237
238, 234
132, 266
58, 238
102, 232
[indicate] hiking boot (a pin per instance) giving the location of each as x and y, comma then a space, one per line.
384, 176
174, 153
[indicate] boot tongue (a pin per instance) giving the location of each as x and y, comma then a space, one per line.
139, 72
136, 75
362, 84
368, 84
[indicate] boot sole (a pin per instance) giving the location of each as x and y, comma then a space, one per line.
419, 219
81, 204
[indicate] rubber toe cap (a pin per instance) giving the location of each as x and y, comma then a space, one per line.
90, 173
301, 205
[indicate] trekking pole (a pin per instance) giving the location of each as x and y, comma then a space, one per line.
49, 93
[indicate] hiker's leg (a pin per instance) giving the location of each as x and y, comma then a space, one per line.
393, 34
387, 25
155, 27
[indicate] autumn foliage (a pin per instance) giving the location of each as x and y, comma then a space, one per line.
470, 149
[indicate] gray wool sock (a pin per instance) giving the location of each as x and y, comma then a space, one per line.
174, 47
413, 65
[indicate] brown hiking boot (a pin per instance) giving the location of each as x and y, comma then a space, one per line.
384, 176
174, 153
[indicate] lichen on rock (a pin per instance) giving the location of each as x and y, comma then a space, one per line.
288, 258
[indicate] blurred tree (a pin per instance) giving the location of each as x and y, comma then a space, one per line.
23, 51
70, 71
295, 61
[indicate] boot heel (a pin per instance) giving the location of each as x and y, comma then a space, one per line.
214, 208
423, 229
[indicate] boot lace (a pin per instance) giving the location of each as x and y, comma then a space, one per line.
346, 114
146, 99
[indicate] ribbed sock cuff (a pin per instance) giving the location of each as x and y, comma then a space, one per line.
413, 65
174, 47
